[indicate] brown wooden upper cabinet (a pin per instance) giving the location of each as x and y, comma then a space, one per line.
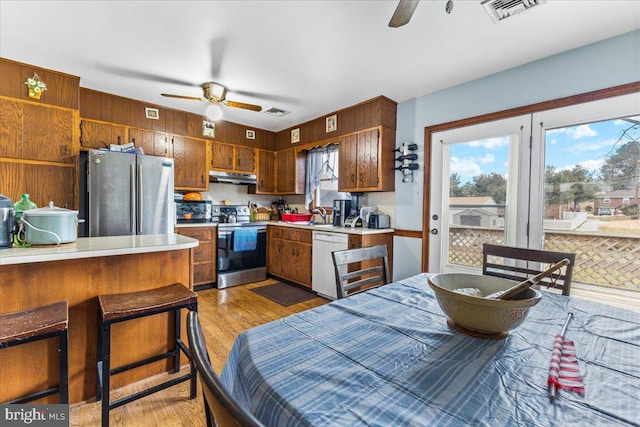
190, 157
152, 142
36, 132
365, 161
233, 158
95, 134
290, 172
266, 183
245, 160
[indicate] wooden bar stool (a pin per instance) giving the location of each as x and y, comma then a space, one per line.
127, 306
34, 324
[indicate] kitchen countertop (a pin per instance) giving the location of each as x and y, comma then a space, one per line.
318, 227
91, 247
196, 224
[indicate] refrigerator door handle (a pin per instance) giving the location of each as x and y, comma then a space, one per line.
140, 199
132, 198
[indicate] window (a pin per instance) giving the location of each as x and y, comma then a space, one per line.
606, 200
322, 177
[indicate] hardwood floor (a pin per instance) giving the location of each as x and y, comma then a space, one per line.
223, 315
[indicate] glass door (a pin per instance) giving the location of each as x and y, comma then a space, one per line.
588, 176
480, 190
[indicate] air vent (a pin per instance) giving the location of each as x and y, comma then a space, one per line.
275, 112
502, 9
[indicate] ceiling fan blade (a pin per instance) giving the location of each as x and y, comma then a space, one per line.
142, 75
183, 97
403, 13
234, 104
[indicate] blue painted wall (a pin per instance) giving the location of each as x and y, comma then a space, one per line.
604, 64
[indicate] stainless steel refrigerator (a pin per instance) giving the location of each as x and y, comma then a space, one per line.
129, 194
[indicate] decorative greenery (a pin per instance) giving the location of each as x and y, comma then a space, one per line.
36, 86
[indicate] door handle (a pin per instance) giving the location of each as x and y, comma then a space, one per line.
434, 231
132, 198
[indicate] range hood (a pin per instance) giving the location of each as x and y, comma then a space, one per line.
231, 178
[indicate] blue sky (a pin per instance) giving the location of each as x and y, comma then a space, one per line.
586, 144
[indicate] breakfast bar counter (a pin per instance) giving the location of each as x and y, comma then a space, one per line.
92, 247
78, 273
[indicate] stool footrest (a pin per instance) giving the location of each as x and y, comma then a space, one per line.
34, 396
142, 362
149, 391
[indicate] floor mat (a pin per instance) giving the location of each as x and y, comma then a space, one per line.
284, 294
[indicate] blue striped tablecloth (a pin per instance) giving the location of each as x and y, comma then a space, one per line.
387, 358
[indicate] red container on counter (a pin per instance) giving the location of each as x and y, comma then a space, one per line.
296, 217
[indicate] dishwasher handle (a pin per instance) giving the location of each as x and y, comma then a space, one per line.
331, 237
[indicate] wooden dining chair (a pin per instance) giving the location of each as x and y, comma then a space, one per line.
519, 264
360, 269
220, 408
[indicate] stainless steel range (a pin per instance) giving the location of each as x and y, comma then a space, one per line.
242, 246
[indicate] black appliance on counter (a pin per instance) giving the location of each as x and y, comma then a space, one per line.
242, 246
342, 209
6, 222
193, 211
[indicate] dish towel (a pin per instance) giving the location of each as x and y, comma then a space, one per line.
245, 239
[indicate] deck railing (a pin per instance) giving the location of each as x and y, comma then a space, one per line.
609, 260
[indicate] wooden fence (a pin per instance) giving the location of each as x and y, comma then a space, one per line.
603, 260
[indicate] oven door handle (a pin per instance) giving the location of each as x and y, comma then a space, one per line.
229, 232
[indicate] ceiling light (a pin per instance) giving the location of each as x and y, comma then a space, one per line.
214, 112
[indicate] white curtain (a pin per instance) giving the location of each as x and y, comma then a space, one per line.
321, 162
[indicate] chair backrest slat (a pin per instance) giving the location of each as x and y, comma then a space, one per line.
220, 407
516, 265
352, 264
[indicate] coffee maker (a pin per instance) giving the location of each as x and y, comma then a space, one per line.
341, 211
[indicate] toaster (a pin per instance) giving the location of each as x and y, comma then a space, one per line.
378, 221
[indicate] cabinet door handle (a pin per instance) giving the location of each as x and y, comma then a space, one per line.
81, 141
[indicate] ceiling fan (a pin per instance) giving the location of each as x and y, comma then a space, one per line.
404, 12
216, 93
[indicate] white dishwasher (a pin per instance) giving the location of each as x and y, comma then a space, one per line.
323, 280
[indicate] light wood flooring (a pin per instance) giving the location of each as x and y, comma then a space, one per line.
223, 315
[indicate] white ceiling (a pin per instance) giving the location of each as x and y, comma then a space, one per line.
306, 57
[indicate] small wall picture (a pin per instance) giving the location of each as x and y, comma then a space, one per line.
295, 135
332, 123
251, 134
208, 129
151, 113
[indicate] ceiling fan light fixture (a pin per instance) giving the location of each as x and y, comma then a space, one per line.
215, 91
214, 112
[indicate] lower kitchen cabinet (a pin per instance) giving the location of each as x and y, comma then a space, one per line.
290, 254
274, 250
203, 257
367, 240
289, 251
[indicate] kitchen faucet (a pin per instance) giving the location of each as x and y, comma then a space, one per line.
322, 212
